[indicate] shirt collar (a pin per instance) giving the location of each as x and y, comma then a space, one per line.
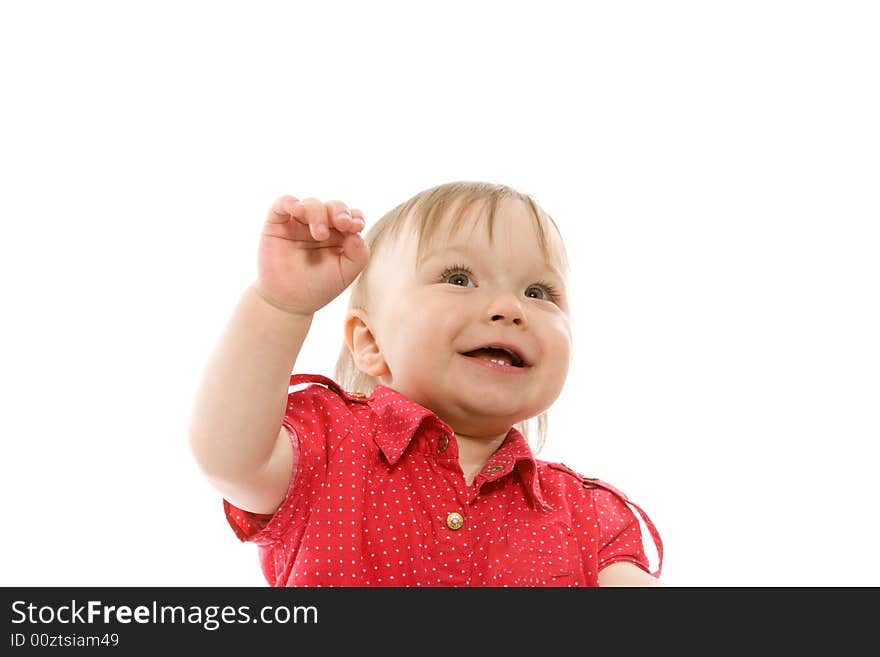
399, 419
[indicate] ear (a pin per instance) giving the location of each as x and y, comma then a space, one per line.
362, 344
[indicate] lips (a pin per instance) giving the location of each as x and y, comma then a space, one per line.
502, 350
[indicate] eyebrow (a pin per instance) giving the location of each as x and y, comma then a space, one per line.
467, 250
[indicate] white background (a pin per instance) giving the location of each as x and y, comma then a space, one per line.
713, 168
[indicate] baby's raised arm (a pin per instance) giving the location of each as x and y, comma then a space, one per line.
309, 252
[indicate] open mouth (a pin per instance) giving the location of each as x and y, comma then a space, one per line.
497, 355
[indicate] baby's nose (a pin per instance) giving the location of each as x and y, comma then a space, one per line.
506, 307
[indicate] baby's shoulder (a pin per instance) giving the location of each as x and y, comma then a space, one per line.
318, 404
327, 388
324, 394
572, 480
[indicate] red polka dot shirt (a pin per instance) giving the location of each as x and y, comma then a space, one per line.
377, 498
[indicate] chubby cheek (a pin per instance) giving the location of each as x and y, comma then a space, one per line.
558, 345
419, 339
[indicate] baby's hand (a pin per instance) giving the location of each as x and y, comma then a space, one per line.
309, 253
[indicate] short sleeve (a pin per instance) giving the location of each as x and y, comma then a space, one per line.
262, 528
620, 536
315, 419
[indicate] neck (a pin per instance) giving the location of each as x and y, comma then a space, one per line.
475, 451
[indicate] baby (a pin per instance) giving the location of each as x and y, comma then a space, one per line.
412, 466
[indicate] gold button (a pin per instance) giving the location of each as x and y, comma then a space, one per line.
355, 393
443, 442
494, 468
454, 521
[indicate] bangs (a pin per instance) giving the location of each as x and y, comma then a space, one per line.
435, 219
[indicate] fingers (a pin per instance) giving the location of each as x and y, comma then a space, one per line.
355, 253
358, 217
324, 217
282, 209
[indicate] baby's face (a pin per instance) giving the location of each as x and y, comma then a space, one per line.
426, 315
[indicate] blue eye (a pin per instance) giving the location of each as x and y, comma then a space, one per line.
462, 271
552, 294
455, 271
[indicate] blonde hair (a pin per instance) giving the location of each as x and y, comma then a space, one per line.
428, 211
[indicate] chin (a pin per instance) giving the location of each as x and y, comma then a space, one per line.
500, 407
